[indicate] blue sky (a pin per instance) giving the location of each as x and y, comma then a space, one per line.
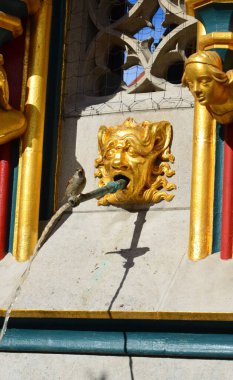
144, 34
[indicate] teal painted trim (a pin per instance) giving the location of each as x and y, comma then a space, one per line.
218, 182
216, 17
13, 194
52, 109
227, 59
14, 8
180, 344
5, 36
119, 343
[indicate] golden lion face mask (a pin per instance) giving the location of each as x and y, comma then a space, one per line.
141, 154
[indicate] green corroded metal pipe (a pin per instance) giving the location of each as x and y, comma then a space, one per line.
111, 188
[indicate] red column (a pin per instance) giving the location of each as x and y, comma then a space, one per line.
227, 200
13, 53
5, 155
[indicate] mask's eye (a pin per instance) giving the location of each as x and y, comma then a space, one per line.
190, 85
110, 153
132, 152
205, 80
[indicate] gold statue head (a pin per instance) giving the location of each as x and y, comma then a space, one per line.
209, 84
205, 78
141, 154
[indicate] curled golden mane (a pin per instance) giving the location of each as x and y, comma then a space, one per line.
141, 153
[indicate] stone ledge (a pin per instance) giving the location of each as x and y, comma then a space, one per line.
95, 263
98, 277
26, 366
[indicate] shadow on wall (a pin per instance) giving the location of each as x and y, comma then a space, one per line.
129, 254
104, 376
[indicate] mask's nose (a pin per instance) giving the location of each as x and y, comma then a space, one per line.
119, 161
196, 88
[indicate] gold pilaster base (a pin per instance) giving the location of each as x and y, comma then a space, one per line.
32, 143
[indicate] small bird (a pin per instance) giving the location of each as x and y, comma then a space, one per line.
76, 183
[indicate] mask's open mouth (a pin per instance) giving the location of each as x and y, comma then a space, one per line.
120, 176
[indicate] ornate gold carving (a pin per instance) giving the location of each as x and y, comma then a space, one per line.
191, 5
139, 152
33, 5
214, 40
11, 23
12, 122
210, 85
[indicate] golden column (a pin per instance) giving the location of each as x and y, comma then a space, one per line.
203, 172
202, 185
28, 197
